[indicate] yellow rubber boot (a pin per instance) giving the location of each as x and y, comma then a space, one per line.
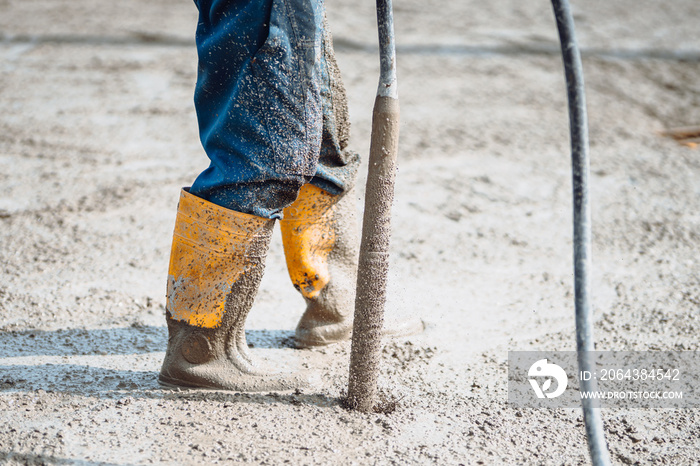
320, 239
321, 245
216, 263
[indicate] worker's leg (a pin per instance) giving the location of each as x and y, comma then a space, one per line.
320, 230
265, 106
216, 263
258, 103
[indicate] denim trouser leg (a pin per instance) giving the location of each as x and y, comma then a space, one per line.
270, 104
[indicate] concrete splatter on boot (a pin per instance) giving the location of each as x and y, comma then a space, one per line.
321, 245
216, 263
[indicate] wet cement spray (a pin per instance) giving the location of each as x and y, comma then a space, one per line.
373, 264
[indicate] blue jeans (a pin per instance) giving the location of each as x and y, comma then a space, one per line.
270, 104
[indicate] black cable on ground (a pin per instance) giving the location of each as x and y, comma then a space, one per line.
578, 125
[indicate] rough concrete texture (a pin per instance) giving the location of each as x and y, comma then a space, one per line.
98, 134
373, 264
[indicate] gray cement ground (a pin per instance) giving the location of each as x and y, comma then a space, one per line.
98, 133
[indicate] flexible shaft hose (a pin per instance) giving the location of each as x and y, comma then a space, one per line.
578, 126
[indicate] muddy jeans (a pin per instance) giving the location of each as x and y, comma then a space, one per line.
270, 104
